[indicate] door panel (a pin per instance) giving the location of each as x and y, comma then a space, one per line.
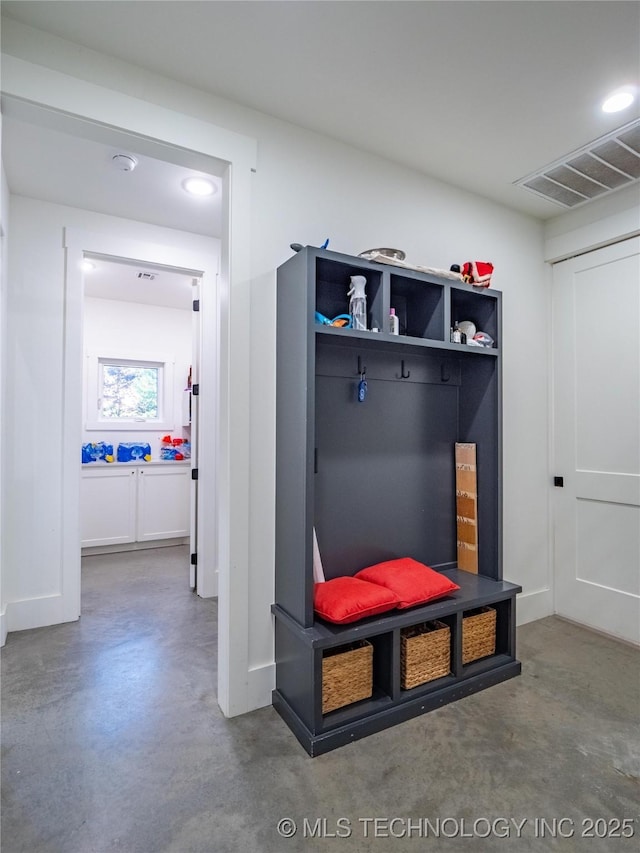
596, 351
603, 559
107, 506
163, 502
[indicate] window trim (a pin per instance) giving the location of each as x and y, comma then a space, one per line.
166, 391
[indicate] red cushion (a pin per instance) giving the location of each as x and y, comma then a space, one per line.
348, 599
413, 582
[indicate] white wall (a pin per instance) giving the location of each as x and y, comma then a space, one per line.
605, 220
112, 327
308, 187
32, 546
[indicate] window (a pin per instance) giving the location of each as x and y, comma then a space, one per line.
128, 393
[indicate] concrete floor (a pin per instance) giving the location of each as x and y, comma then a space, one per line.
113, 741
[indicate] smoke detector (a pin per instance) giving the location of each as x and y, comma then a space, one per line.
124, 162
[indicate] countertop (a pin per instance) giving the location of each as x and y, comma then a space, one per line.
139, 463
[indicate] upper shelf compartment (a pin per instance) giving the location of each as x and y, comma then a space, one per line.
481, 308
333, 280
420, 307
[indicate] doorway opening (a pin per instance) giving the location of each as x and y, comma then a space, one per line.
141, 366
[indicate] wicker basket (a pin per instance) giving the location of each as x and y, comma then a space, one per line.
347, 675
425, 653
478, 634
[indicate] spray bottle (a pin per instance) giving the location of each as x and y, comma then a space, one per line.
358, 303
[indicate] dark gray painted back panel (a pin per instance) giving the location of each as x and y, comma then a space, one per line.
382, 465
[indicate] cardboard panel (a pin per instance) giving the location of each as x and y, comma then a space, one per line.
467, 507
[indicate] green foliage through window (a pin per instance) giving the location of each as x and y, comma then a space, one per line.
130, 392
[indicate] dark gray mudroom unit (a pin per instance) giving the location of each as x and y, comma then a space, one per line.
377, 481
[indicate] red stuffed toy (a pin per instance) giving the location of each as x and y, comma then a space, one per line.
477, 273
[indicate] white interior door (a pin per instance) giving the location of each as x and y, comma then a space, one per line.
596, 350
193, 422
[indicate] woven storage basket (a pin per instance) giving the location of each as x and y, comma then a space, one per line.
425, 653
347, 675
478, 634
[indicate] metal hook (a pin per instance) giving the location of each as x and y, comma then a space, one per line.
445, 375
404, 375
361, 368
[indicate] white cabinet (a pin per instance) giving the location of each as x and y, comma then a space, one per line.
163, 503
108, 506
121, 504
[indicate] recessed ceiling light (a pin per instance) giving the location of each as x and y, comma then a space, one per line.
87, 266
618, 100
199, 186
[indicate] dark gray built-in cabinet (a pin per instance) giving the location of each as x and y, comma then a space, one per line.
377, 480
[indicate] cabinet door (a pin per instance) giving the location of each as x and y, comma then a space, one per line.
163, 502
107, 506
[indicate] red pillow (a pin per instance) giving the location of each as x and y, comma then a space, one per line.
348, 599
413, 582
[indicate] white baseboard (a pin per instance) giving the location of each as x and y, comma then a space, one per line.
34, 613
534, 605
3, 627
634, 644
94, 550
261, 682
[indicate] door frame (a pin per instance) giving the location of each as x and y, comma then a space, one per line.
80, 106
202, 266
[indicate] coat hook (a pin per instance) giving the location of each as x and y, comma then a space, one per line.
404, 375
361, 368
444, 373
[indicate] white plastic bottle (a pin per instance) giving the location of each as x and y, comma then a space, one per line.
358, 303
394, 322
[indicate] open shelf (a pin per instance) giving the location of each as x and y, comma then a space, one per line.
384, 340
419, 306
332, 286
482, 308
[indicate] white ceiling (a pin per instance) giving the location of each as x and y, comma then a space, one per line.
122, 282
476, 93
48, 164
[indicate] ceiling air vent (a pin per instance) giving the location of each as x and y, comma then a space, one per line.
605, 165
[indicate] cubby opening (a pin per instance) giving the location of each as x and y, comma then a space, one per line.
485, 633
419, 306
479, 424
332, 287
427, 656
480, 309
381, 646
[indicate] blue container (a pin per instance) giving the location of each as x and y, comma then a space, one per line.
134, 452
97, 451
